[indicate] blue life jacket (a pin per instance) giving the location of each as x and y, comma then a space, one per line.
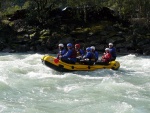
96, 55
88, 55
70, 55
113, 52
80, 52
61, 52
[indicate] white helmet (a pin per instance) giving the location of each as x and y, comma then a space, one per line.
110, 44
92, 47
61, 45
107, 49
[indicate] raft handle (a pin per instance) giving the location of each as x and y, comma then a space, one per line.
72, 67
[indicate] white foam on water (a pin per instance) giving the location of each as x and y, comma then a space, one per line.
27, 85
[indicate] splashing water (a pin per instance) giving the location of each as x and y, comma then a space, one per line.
27, 86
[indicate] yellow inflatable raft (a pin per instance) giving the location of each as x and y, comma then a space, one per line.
60, 66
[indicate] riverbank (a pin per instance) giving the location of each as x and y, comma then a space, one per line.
18, 35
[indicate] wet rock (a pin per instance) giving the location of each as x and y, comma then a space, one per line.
146, 52
22, 48
6, 50
139, 51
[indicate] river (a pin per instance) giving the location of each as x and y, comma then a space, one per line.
28, 86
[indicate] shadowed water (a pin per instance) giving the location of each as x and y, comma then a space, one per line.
27, 86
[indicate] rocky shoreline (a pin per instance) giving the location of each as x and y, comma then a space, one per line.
18, 36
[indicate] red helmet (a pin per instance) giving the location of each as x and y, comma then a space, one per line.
77, 45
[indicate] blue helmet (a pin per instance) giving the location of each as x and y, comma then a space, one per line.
88, 49
69, 45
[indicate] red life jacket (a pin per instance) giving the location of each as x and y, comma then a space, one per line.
74, 54
106, 57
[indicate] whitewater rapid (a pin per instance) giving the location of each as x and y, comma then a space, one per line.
28, 86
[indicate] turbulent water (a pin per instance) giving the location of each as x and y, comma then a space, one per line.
28, 86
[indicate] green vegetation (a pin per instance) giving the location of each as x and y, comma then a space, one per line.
36, 27
134, 8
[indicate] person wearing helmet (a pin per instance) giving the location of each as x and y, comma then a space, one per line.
70, 56
95, 53
88, 54
112, 51
80, 52
62, 50
88, 57
106, 58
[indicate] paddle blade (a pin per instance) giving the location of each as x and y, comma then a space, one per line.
56, 60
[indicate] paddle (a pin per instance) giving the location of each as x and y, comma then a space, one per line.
56, 60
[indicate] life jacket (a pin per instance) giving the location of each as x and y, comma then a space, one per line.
113, 52
74, 54
106, 57
90, 56
93, 57
61, 52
